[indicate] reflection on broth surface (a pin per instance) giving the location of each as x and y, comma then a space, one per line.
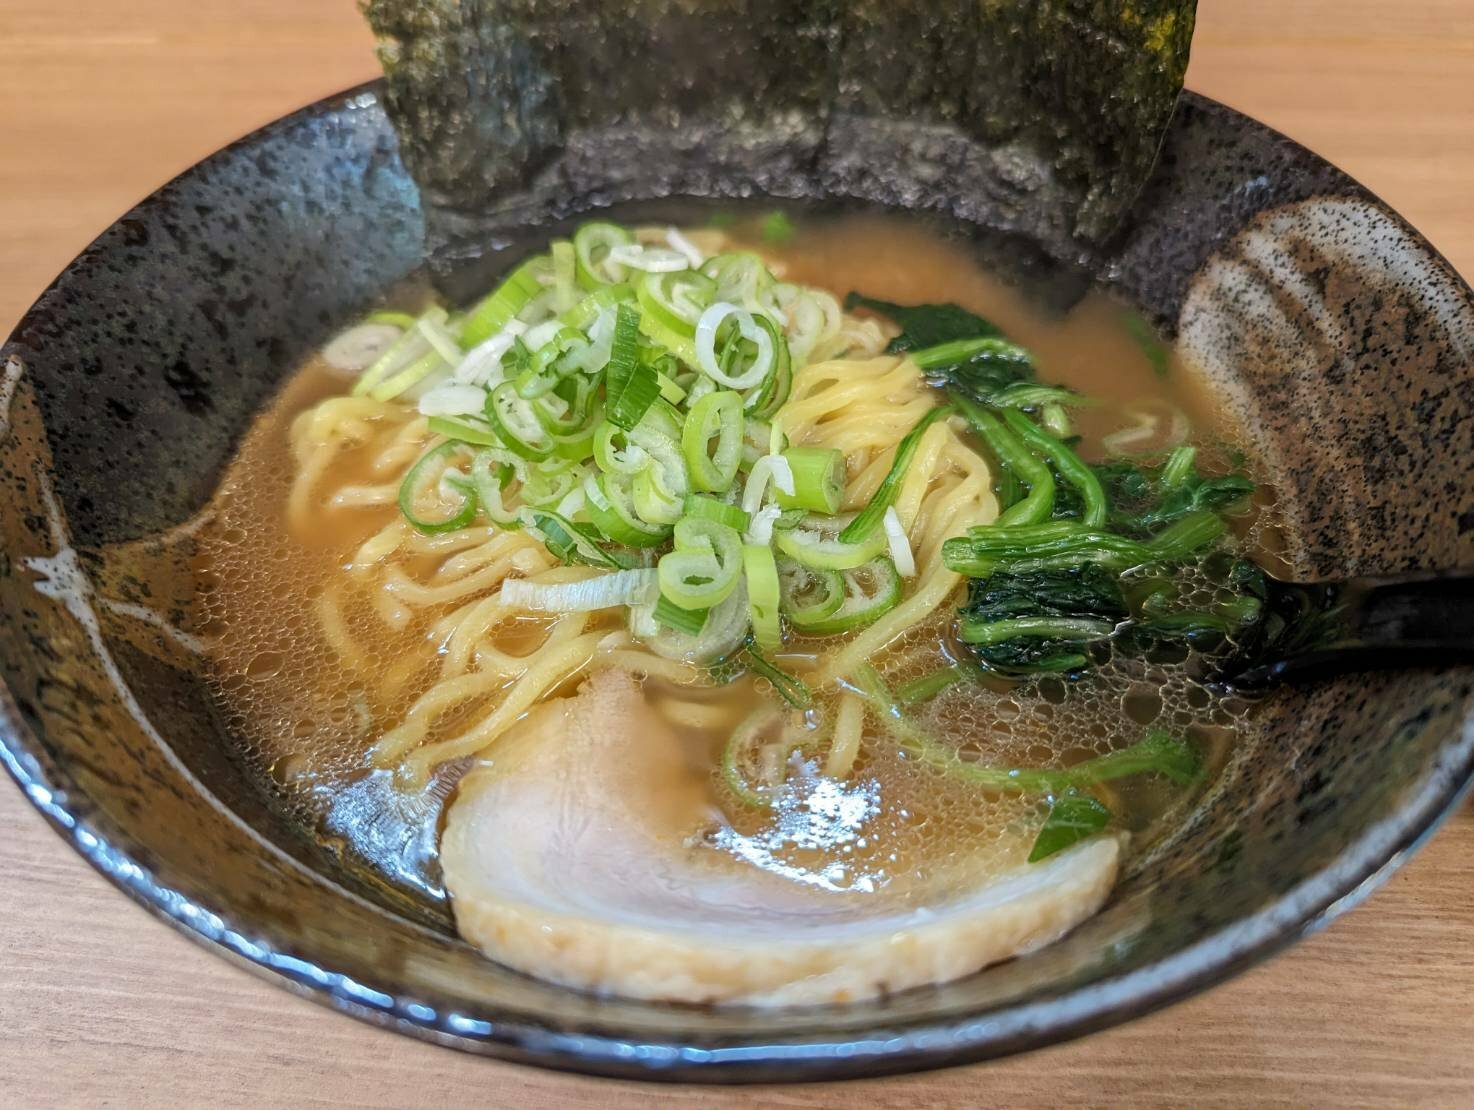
365, 665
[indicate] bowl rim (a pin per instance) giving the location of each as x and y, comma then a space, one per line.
1357, 870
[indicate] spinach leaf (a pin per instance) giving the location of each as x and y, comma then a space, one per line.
1030, 622
1071, 819
925, 325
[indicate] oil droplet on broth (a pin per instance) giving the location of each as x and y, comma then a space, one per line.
265, 665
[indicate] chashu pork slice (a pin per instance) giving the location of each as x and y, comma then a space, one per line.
569, 857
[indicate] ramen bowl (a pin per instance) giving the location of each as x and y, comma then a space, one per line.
1327, 328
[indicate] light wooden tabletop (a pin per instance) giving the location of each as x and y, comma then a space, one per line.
101, 1005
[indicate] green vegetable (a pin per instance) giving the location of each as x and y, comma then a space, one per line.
868, 519
506, 300
1146, 339
762, 595
1158, 753
705, 507
815, 543
716, 417
467, 429
746, 751
705, 566
430, 471
930, 685
1066, 462
924, 325
574, 543
689, 621
1035, 621
776, 227
1015, 459
818, 479
591, 245
809, 595
516, 423
1142, 498
790, 689
867, 593
630, 384
610, 506
1072, 818
676, 299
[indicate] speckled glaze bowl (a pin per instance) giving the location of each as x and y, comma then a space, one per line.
1327, 324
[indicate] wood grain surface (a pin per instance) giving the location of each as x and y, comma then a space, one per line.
100, 1005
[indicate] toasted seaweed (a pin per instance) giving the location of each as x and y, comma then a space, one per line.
1034, 118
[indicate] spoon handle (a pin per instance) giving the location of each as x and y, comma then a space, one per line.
1365, 624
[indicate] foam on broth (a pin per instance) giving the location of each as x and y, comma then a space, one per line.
306, 723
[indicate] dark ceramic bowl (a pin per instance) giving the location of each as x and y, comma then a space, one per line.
1328, 325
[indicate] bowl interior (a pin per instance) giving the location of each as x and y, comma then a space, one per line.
1325, 323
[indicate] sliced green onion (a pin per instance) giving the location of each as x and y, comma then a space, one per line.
763, 595
425, 475
818, 479
669, 389
704, 507
401, 320
869, 592
676, 299
815, 543
565, 287
516, 423
604, 591
544, 488
741, 746
398, 356
716, 416
705, 566
630, 384
689, 621
655, 500
809, 595
869, 518
444, 343
501, 307
747, 350
681, 346
591, 245
615, 452
610, 505
491, 476
723, 632
551, 361
467, 429
770, 396
930, 685
571, 543
586, 311
790, 689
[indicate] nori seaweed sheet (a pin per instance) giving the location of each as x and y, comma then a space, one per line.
1034, 118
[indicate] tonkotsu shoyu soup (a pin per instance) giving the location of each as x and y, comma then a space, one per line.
749, 613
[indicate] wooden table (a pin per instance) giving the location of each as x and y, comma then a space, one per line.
101, 1005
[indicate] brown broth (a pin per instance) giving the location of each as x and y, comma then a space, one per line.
306, 719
